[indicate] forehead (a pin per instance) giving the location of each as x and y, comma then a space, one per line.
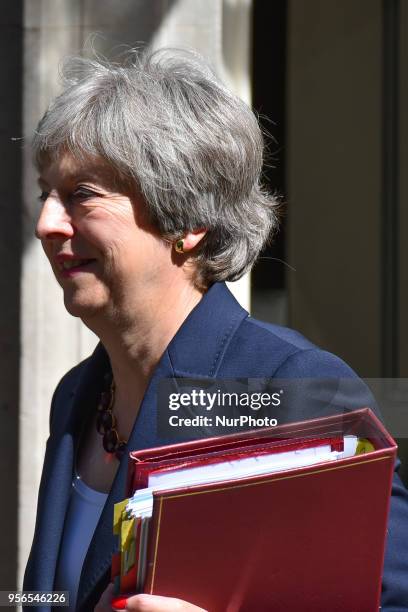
66, 169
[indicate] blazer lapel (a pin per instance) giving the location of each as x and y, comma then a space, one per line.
196, 350
98, 559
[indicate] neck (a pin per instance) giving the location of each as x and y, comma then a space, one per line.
136, 337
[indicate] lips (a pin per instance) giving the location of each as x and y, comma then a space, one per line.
69, 265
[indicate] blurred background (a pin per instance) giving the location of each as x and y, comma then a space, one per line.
327, 80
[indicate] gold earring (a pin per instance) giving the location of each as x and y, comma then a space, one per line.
179, 246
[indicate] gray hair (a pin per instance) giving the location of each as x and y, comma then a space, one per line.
167, 126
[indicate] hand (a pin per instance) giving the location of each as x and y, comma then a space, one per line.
146, 603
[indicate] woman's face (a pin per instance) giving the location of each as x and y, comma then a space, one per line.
103, 252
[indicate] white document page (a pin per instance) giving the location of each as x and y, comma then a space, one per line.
141, 504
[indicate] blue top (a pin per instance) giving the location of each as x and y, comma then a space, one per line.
218, 339
84, 510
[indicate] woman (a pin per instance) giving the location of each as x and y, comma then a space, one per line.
150, 200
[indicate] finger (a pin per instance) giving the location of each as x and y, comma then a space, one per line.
156, 603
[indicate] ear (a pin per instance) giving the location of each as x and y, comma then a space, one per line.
191, 239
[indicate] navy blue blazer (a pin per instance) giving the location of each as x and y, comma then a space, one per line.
218, 339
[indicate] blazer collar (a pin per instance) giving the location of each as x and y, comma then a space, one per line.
200, 343
197, 349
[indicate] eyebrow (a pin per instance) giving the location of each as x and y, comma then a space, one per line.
81, 175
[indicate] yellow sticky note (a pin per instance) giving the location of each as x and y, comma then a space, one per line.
364, 446
127, 544
117, 515
126, 532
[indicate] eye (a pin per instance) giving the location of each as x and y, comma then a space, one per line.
83, 193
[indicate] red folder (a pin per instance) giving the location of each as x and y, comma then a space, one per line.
309, 538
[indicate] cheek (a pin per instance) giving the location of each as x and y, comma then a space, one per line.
153, 249
105, 234
145, 258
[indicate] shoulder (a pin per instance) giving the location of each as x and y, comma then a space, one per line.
66, 389
320, 382
70, 380
279, 351
78, 387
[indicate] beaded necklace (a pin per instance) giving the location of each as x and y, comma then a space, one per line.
106, 421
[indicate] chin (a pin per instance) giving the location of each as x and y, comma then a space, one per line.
83, 306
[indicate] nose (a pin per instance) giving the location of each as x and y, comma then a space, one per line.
54, 220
